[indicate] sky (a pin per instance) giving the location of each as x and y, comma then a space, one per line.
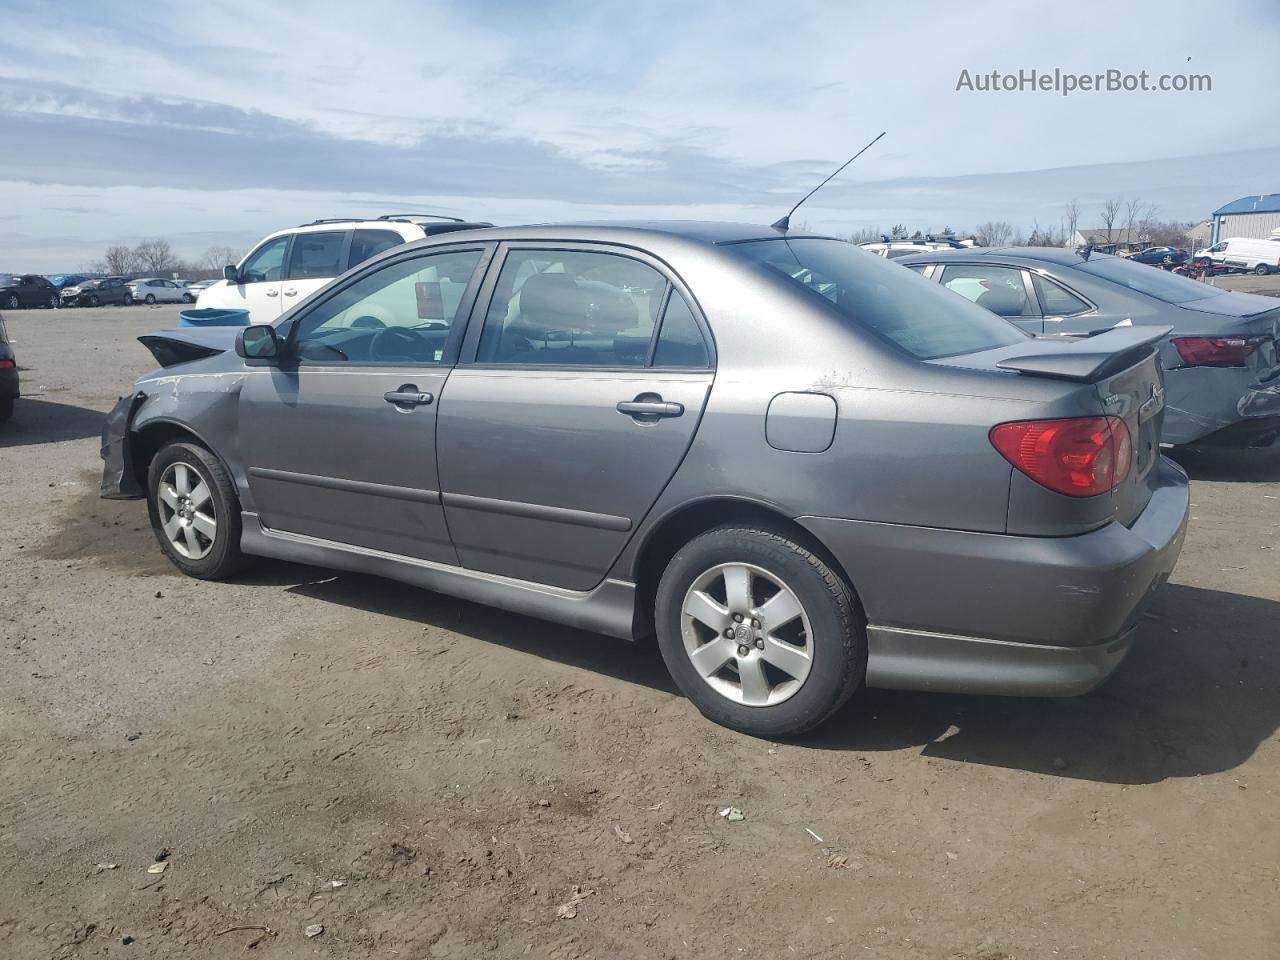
216, 123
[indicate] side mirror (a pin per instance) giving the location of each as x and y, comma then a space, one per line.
258, 342
230, 273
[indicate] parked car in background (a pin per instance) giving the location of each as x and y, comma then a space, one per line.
799, 464
64, 280
1245, 253
1165, 257
8, 374
893, 249
290, 265
159, 290
194, 287
28, 290
1222, 373
96, 293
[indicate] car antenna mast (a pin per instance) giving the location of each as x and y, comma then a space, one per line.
785, 223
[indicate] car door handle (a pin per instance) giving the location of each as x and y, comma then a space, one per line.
291, 292
651, 408
407, 397
273, 293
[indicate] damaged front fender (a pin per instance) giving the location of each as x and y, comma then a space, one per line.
119, 481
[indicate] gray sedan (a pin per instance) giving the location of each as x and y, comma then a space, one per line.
801, 466
1222, 370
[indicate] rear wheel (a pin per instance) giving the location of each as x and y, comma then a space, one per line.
1262, 269
195, 512
188, 298
758, 631
127, 301
6, 409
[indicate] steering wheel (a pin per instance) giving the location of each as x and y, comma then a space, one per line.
394, 342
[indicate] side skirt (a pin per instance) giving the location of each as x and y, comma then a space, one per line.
608, 608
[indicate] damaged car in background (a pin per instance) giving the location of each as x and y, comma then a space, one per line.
1222, 371
800, 465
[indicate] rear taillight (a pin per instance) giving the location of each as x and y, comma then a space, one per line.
1080, 456
1216, 351
6, 364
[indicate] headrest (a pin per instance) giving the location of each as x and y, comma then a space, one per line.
1002, 299
552, 301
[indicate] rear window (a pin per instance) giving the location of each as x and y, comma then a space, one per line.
917, 316
1161, 284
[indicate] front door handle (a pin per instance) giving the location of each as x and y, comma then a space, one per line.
650, 407
273, 293
407, 397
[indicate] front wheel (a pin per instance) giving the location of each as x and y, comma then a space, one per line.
12, 302
195, 512
759, 631
151, 299
93, 301
54, 302
188, 298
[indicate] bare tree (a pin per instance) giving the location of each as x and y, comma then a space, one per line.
899, 232
993, 233
1110, 214
156, 256
1072, 219
216, 257
117, 261
866, 235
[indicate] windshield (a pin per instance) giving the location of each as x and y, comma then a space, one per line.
1165, 286
914, 314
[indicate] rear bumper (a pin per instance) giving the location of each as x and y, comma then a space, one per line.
991, 613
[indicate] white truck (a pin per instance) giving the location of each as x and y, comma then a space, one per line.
1245, 253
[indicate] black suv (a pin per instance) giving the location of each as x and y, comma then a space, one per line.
28, 290
96, 293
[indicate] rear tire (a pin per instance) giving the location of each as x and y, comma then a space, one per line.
790, 664
195, 512
6, 409
127, 301
1261, 270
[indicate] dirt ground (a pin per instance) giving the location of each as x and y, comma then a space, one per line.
425, 778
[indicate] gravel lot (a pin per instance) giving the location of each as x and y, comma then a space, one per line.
428, 778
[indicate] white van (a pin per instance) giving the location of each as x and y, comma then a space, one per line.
290, 265
1245, 253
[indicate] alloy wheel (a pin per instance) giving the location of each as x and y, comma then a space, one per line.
747, 634
12, 303
187, 513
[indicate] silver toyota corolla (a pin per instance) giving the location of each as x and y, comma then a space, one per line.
800, 465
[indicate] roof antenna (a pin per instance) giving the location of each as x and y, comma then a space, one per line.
785, 223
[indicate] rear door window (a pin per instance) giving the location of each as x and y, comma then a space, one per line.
317, 255
572, 308
1056, 300
369, 243
998, 289
680, 342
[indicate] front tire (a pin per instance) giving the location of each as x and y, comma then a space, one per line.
188, 298
151, 299
759, 632
12, 303
93, 301
195, 512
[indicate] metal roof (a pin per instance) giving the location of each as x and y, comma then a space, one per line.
1256, 203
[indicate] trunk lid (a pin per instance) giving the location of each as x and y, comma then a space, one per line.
1136, 395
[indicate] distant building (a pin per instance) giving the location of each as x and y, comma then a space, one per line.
1198, 236
1257, 216
1109, 241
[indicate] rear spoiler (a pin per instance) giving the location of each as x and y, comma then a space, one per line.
184, 344
1089, 359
